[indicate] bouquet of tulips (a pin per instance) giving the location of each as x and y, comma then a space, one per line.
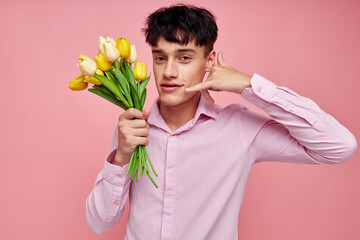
114, 79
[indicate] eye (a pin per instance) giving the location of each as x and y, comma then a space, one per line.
159, 59
185, 58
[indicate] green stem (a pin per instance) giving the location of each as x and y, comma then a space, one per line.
152, 180
152, 167
130, 165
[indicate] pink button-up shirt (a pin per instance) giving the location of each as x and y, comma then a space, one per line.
203, 166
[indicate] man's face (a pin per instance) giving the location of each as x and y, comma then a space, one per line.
177, 67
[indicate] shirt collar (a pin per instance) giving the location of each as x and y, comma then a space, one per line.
204, 109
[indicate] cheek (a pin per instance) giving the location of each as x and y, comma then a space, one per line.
157, 72
194, 75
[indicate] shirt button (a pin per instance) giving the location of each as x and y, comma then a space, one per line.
292, 108
120, 175
117, 202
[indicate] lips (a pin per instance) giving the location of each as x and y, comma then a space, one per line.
169, 87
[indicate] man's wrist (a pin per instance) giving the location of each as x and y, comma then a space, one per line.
247, 82
118, 160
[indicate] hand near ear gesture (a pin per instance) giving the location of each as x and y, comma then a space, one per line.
222, 77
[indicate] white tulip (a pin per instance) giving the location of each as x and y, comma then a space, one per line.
86, 65
133, 55
110, 50
110, 39
101, 42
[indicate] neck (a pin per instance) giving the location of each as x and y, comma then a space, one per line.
177, 116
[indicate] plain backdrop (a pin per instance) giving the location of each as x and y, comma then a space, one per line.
53, 142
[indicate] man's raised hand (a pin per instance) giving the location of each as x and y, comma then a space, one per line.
222, 77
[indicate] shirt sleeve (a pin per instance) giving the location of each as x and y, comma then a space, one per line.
106, 202
298, 131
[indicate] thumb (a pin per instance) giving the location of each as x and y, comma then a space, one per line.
221, 60
146, 113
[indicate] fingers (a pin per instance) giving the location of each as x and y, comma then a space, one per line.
137, 123
131, 133
132, 113
132, 123
146, 113
198, 87
221, 60
136, 141
207, 96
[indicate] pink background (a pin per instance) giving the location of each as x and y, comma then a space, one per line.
53, 141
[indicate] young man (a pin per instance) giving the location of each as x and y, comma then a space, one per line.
202, 152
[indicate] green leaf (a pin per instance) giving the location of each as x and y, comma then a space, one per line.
112, 87
121, 79
122, 67
143, 84
135, 98
123, 84
110, 76
143, 98
107, 97
115, 64
130, 75
104, 89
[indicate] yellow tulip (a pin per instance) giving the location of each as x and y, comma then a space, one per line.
78, 84
101, 62
94, 80
86, 65
133, 55
140, 71
122, 44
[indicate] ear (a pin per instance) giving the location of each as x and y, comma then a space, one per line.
210, 60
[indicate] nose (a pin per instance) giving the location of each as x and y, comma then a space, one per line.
170, 70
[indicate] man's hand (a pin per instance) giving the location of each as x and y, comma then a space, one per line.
222, 77
132, 131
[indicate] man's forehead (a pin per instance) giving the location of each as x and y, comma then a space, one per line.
179, 50
166, 46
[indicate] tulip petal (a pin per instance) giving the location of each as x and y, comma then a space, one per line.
92, 80
77, 84
133, 55
111, 52
140, 71
122, 44
101, 42
101, 62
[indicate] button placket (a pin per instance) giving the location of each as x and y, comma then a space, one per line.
169, 192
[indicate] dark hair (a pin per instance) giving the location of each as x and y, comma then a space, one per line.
181, 24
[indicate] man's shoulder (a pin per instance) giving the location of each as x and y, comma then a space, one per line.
232, 109
239, 112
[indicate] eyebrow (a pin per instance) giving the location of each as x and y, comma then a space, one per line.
178, 50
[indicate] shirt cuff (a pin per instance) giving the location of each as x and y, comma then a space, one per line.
264, 94
113, 173
261, 90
